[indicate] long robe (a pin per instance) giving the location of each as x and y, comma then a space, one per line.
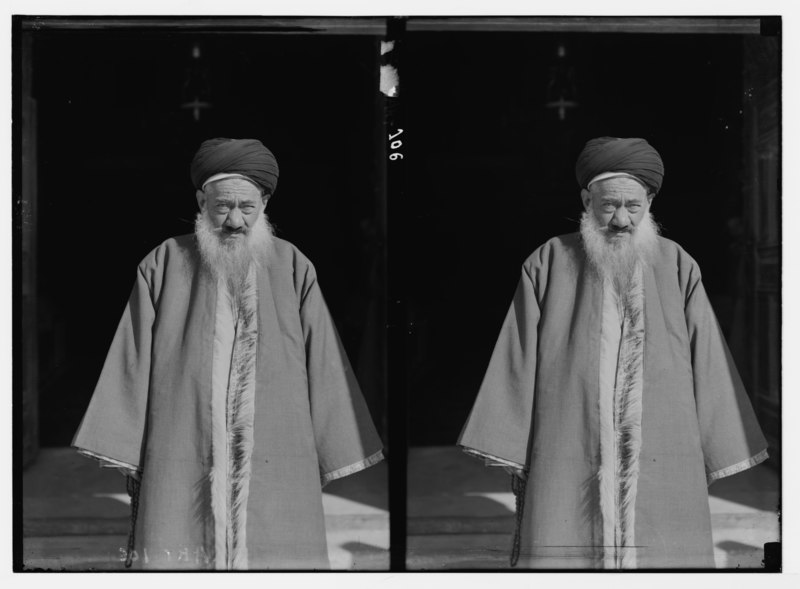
540, 409
153, 410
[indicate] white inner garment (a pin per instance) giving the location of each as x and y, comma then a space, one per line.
224, 336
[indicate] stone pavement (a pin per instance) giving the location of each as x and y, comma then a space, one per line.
461, 513
76, 516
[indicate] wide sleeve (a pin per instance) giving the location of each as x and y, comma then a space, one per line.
345, 436
730, 435
113, 427
499, 425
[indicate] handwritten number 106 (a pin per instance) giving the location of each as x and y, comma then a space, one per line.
396, 144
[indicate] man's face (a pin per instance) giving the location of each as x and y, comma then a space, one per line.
618, 204
233, 206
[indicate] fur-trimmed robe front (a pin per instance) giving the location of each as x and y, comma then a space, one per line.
153, 409
540, 409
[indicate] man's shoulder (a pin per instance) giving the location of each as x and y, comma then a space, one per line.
567, 246
672, 253
286, 264
283, 253
673, 265
179, 247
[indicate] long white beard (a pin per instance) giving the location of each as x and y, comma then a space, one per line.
230, 258
616, 258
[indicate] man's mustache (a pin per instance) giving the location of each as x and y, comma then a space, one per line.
230, 231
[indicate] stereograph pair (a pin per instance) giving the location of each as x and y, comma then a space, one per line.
568, 369
228, 400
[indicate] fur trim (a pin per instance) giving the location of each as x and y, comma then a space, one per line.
233, 409
241, 413
621, 435
628, 419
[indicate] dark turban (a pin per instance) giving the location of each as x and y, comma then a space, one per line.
612, 154
248, 157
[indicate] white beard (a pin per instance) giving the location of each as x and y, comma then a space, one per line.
617, 258
230, 258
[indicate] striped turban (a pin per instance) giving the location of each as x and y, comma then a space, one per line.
245, 157
633, 156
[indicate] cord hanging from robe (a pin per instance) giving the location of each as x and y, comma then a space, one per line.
133, 492
518, 485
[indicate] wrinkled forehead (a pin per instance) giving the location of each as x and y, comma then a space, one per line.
233, 189
619, 188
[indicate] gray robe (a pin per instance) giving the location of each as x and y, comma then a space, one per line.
152, 410
538, 408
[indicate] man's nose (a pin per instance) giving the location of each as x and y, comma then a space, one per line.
620, 220
235, 219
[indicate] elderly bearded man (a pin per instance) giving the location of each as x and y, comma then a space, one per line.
611, 394
226, 395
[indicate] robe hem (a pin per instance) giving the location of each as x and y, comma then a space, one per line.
352, 468
492, 460
738, 467
107, 462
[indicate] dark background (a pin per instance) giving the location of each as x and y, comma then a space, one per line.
488, 171
491, 174
114, 141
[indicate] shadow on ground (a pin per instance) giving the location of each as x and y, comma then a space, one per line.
76, 516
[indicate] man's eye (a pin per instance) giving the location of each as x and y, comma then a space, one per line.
222, 209
248, 209
609, 208
634, 208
